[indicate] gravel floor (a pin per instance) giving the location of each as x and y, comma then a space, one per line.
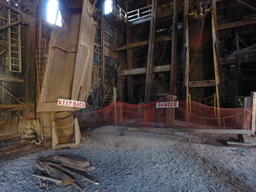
138, 162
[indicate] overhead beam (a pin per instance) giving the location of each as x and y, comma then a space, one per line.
235, 24
247, 5
10, 7
205, 83
142, 43
142, 70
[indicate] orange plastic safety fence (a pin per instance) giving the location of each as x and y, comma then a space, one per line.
194, 115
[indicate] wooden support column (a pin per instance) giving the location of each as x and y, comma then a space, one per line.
170, 113
174, 50
118, 114
150, 58
129, 62
102, 60
187, 58
215, 51
253, 122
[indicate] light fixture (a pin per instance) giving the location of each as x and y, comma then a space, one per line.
108, 6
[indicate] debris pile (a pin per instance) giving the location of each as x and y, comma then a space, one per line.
64, 171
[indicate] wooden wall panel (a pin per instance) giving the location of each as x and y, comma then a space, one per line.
84, 61
70, 61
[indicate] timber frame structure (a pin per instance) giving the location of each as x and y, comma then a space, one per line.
198, 50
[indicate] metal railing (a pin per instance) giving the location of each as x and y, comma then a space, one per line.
139, 14
135, 16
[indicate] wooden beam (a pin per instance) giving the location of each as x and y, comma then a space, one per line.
199, 130
216, 59
235, 24
3, 52
11, 79
142, 70
187, 57
247, 5
53, 107
253, 122
205, 83
10, 7
150, 59
10, 94
142, 43
9, 25
12, 107
174, 50
102, 45
129, 58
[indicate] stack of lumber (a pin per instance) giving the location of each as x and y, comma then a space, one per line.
64, 171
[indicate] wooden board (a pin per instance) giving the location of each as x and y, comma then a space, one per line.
70, 61
84, 60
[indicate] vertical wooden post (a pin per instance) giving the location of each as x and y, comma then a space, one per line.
174, 50
77, 132
187, 58
150, 59
115, 113
129, 63
114, 95
215, 52
253, 122
55, 139
102, 43
170, 113
118, 114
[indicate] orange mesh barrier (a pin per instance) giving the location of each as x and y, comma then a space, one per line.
147, 115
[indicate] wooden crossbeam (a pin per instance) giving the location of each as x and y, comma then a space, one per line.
11, 79
235, 24
9, 25
3, 52
142, 43
11, 107
142, 70
205, 83
10, 94
247, 5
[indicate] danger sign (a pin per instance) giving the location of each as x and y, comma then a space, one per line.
71, 103
171, 104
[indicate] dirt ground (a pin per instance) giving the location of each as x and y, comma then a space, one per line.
144, 162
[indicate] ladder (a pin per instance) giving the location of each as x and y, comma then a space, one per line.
14, 40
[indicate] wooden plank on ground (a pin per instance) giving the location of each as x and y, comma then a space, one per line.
73, 161
208, 131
